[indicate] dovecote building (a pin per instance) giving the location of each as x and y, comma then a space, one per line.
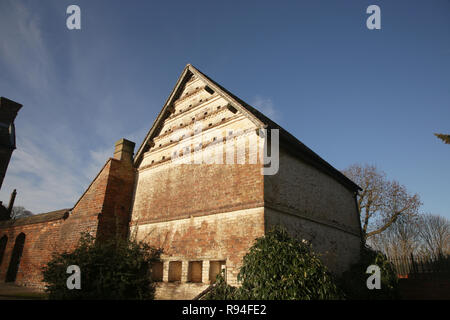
200, 187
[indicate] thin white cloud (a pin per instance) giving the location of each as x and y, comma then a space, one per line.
51, 167
22, 48
46, 182
266, 106
50, 174
43, 182
57, 156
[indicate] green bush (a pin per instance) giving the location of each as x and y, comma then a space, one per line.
221, 290
353, 282
279, 267
109, 270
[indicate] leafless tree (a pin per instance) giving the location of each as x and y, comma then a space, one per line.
381, 202
434, 232
401, 239
20, 212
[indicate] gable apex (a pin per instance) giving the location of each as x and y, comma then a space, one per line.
188, 72
287, 140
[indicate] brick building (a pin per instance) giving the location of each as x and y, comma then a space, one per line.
196, 188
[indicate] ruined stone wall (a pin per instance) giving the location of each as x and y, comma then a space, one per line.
315, 207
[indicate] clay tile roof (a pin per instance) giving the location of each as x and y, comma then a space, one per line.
37, 218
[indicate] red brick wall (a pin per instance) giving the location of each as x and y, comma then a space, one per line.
199, 212
103, 210
41, 239
180, 191
227, 235
217, 237
116, 201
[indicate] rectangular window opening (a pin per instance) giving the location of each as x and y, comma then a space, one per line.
195, 271
174, 271
157, 271
215, 267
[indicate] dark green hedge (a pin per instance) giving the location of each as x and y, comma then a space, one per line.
109, 270
279, 267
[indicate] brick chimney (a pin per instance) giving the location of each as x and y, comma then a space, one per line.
124, 150
114, 213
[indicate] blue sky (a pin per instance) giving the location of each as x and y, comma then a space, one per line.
351, 94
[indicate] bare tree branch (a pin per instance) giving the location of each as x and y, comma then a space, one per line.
434, 231
20, 212
381, 202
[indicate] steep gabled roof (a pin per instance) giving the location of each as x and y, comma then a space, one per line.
291, 144
188, 71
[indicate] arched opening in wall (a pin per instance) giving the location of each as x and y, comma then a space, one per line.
3, 242
15, 258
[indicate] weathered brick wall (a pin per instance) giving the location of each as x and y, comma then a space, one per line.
115, 214
315, 207
338, 248
218, 237
179, 191
103, 211
41, 239
201, 121
200, 211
